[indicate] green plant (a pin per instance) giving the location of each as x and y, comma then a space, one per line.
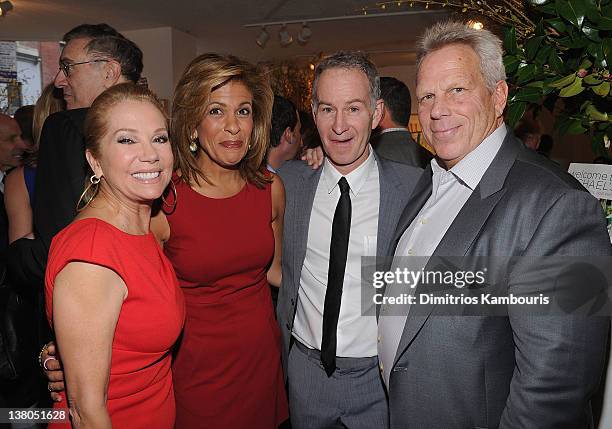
567, 56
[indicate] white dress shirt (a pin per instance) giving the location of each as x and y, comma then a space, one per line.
450, 191
2, 174
356, 335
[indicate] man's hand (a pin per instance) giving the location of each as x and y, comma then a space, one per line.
52, 367
314, 157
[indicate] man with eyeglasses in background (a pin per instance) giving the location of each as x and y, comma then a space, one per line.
94, 58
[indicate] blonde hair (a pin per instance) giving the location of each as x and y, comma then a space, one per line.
202, 76
47, 104
96, 123
485, 44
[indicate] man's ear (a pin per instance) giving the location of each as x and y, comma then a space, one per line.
378, 112
94, 164
287, 134
500, 97
113, 73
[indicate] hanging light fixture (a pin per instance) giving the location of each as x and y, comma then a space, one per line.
5, 6
305, 34
262, 39
284, 37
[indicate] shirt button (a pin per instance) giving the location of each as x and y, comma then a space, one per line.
423, 221
379, 338
410, 252
381, 367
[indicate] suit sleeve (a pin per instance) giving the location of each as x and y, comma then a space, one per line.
559, 359
59, 183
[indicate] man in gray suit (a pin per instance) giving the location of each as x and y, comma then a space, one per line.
333, 216
487, 195
393, 140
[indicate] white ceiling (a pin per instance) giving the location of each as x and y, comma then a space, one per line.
219, 24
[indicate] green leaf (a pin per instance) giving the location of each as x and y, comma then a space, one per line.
591, 33
592, 79
596, 51
515, 112
532, 45
556, 63
572, 10
602, 89
605, 23
543, 55
539, 31
575, 127
594, 114
536, 84
564, 81
526, 73
548, 8
511, 63
577, 43
573, 89
529, 94
606, 48
538, 2
585, 64
510, 45
557, 23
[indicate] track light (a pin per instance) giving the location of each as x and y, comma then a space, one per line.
305, 34
5, 6
262, 39
284, 37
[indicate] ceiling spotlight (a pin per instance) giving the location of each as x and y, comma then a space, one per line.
5, 6
284, 37
475, 25
262, 39
305, 34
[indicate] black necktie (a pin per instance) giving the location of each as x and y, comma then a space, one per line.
338, 249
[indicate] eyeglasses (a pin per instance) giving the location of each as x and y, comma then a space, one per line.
65, 67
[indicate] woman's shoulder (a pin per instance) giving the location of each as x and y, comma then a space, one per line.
83, 233
14, 179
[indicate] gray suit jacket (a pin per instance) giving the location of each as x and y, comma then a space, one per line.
399, 146
396, 184
509, 372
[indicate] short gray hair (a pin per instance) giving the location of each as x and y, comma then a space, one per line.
485, 44
348, 60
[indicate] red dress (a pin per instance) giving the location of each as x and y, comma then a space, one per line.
140, 392
227, 373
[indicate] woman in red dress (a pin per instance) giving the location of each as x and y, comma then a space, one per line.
223, 240
112, 296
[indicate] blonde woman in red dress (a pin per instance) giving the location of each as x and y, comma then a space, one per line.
112, 295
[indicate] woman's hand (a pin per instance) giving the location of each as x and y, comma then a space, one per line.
314, 157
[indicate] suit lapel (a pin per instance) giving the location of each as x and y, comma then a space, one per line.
466, 227
303, 209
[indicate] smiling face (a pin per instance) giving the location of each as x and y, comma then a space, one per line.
456, 109
85, 81
345, 116
225, 131
135, 158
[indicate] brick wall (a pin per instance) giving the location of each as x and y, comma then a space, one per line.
49, 54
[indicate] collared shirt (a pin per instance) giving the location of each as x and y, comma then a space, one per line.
356, 335
390, 130
2, 174
450, 191
270, 168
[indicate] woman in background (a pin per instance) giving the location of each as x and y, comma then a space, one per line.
19, 189
224, 241
112, 296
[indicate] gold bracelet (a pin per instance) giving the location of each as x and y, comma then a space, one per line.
40, 362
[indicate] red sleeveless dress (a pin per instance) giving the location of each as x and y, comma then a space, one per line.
140, 392
227, 373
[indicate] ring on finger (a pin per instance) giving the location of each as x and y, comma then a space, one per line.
44, 365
